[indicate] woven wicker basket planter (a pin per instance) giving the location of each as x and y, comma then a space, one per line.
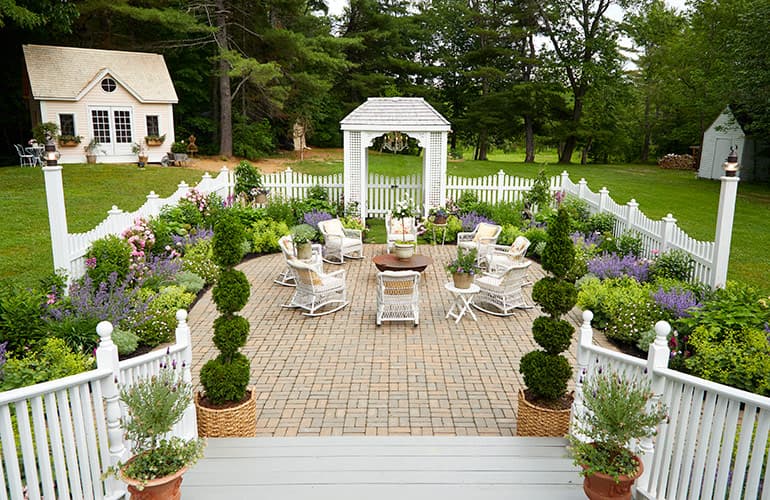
543, 422
238, 421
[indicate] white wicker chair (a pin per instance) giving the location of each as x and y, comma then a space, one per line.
285, 243
481, 238
501, 295
340, 242
398, 296
500, 257
400, 230
316, 290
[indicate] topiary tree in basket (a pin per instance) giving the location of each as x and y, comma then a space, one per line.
227, 406
544, 407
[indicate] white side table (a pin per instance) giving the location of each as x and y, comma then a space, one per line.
442, 228
462, 303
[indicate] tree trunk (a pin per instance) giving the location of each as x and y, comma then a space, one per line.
584, 154
570, 142
225, 98
647, 131
529, 132
483, 145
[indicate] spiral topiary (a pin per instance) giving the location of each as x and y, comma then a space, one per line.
546, 371
225, 377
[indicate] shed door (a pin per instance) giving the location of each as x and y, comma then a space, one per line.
113, 128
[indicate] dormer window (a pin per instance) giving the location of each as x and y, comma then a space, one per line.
109, 85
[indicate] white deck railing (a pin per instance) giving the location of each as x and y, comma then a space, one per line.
69, 429
714, 444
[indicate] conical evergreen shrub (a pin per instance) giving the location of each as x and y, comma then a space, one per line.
226, 377
546, 371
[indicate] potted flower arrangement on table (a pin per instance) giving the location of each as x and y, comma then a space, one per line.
302, 235
544, 407
618, 411
154, 404
464, 268
438, 215
405, 213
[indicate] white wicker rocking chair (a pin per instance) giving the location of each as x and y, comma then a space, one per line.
501, 295
500, 258
285, 243
398, 296
316, 290
340, 242
400, 230
483, 237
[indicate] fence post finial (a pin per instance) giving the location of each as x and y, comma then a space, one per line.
107, 358
667, 233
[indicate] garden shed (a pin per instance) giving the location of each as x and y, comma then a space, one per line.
117, 97
726, 132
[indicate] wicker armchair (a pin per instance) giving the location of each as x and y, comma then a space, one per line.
398, 296
501, 295
340, 242
316, 290
285, 243
400, 230
481, 238
501, 257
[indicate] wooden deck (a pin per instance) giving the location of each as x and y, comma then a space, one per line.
394, 468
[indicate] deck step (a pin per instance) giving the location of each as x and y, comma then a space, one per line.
401, 468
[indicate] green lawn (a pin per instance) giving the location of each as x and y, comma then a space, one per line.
91, 190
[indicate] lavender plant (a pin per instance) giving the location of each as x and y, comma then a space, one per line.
677, 302
314, 217
612, 265
473, 219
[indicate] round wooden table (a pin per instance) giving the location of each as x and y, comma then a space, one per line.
389, 262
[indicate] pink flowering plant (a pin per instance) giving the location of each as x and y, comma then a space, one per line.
141, 240
199, 199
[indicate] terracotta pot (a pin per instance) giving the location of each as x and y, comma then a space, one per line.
533, 420
91, 159
602, 487
142, 160
403, 251
68, 144
154, 142
304, 251
439, 219
162, 488
236, 421
462, 280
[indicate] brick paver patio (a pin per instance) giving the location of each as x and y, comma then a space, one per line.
340, 374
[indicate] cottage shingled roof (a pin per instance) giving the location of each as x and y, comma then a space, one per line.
395, 113
64, 73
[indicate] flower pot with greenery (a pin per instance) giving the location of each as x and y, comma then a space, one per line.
463, 269
302, 236
248, 184
544, 408
154, 404
155, 140
617, 411
438, 215
228, 407
42, 131
92, 149
405, 212
141, 153
69, 141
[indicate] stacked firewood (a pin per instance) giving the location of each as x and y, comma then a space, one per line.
677, 162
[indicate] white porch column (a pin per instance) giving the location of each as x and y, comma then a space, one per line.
724, 232
352, 168
57, 217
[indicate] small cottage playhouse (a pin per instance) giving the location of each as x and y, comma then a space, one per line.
727, 132
117, 97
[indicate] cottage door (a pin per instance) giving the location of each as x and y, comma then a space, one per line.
113, 128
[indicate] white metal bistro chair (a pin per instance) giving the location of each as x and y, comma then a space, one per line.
501, 295
285, 243
316, 290
500, 257
25, 159
481, 238
340, 242
398, 296
400, 230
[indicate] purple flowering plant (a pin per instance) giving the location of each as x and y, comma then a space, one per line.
3, 359
315, 216
473, 219
464, 263
612, 265
676, 301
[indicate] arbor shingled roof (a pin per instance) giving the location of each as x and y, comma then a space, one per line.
395, 113
65, 73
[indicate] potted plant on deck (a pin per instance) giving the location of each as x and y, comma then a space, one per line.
464, 268
302, 236
91, 150
544, 407
617, 411
404, 211
227, 407
141, 153
438, 215
154, 404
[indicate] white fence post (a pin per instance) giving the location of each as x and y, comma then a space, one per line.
585, 338
632, 207
582, 186
189, 421
657, 358
604, 195
57, 218
724, 232
153, 204
500, 193
564, 178
666, 231
107, 358
113, 220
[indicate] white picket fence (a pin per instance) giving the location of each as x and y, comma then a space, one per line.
117, 220
714, 443
495, 188
69, 429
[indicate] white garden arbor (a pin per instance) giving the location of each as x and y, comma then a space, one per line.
408, 115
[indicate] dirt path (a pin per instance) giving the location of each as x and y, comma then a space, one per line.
277, 163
